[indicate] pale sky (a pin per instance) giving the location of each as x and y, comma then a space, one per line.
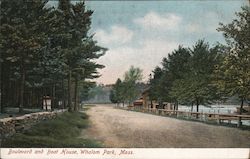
141, 33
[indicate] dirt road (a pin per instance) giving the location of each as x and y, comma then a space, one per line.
121, 128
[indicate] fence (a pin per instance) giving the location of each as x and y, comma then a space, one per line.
201, 116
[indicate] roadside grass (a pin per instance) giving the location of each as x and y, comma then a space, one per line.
63, 131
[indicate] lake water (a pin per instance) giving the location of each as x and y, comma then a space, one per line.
223, 109
217, 108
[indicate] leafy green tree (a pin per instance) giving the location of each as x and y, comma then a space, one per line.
37, 60
79, 47
155, 92
131, 78
113, 96
177, 62
84, 91
134, 74
235, 68
116, 92
195, 85
173, 68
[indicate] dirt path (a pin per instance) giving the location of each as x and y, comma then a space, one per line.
121, 128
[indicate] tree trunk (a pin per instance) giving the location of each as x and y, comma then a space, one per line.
30, 102
1, 86
69, 92
15, 95
79, 105
177, 105
4, 75
43, 98
63, 95
53, 97
75, 102
197, 108
8, 93
38, 95
22, 83
192, 107
33, 96
241, 108
1, 89
160, 104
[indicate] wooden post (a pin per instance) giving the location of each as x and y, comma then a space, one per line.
197, 108
218, 119
53, 104
241, 107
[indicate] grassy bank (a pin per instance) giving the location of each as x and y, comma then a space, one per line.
63, 131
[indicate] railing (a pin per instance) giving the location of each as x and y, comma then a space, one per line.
201, 116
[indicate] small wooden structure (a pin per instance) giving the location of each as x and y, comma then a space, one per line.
148, 104
47, 103
138, 104
145, 98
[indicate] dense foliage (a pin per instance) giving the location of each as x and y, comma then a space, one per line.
204, 74
128, 89
234, 73
45, 52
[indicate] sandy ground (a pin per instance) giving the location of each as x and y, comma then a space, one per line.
121, 128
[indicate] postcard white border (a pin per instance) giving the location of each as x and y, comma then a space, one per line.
127, 153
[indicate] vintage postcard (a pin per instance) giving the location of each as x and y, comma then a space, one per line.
125, 79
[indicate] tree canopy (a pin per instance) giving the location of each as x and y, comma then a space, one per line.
45, 51
186, 76
233, 75
204, 74
127, 90
235, 69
